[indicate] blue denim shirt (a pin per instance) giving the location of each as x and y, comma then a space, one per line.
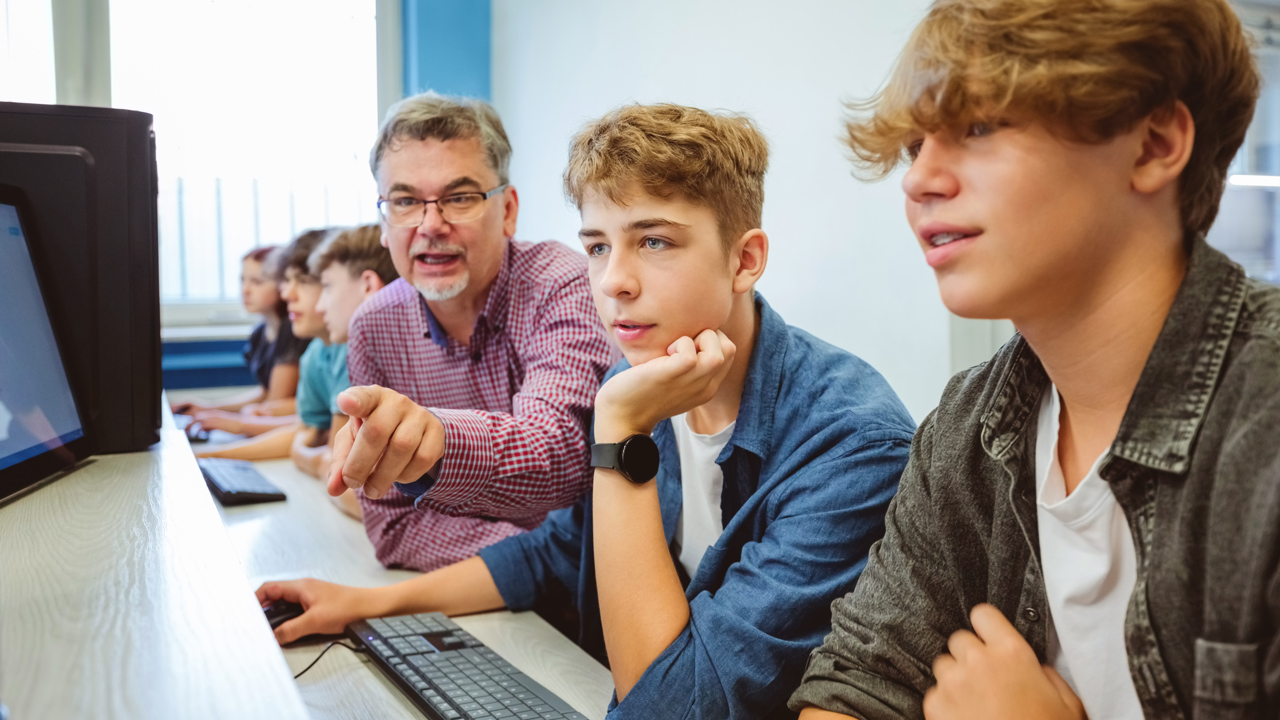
813, 461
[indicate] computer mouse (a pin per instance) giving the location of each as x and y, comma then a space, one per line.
281, 611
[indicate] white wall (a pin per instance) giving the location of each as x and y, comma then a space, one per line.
844, 263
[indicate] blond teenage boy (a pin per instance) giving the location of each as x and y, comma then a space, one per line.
775, 454
1090, 522
352, 266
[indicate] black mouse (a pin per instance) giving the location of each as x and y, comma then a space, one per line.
282, 611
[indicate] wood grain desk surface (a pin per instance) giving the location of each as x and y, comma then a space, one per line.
121, 597
307, 536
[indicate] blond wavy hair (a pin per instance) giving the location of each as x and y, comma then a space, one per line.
710, 159
1089, 69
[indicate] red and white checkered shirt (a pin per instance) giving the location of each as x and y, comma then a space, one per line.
515, 403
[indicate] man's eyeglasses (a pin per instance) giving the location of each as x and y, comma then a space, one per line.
409, 211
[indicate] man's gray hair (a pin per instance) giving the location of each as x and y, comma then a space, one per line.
445, 118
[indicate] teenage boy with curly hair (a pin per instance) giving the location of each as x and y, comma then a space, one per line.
1090, 521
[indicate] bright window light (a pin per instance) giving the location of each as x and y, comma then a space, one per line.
1255, 180
264, 116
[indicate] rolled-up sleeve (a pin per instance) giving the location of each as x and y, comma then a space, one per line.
525, 565
744, 648
877, 661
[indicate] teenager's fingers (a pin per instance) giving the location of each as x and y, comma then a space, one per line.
342, 442
962, 643
727, 347
943, 667
994, 628
293, 629
683, 346
267, 593
361, 401
1064, 691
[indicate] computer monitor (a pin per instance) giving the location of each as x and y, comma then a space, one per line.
89, 175
41, 430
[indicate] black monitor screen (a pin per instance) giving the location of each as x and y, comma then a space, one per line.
37, 410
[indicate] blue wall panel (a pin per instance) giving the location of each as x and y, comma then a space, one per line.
446, 47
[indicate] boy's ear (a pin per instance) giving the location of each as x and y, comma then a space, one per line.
1168, 135
370, 282
749, 255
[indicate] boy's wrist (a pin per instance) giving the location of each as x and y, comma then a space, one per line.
610, 429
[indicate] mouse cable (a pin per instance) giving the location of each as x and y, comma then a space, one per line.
325, 650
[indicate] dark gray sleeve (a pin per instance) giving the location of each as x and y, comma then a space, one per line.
876, 663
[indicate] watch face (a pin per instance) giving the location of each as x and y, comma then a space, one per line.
638, 458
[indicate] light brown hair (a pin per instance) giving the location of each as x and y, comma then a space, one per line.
716, 160
442, 117
1088, 69
359, 249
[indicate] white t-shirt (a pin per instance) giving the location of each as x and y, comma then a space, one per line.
1089, 572
702, 482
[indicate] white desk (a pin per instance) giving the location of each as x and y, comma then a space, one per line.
121, 597
307, 536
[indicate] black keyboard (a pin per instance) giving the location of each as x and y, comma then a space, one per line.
237, 482
450, 675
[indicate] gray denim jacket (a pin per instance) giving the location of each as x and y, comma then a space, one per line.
1196, 467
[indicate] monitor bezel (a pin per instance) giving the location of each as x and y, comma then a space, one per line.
18, 479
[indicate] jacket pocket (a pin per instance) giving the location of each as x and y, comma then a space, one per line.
1226, 680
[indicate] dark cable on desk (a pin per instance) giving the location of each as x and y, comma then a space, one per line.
325, 650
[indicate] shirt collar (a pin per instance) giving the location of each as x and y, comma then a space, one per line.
494, 314
1175, 387
754, 429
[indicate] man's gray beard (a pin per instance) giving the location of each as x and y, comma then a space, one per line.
436, 293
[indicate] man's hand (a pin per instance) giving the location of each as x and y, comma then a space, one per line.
389, 439
994, 675
637, 399
329, 607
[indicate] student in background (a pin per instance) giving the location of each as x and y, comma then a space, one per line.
775, 454
352, 266
272, 352
1090, 521
272, 437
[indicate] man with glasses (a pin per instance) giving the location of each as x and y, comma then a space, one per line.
475, 372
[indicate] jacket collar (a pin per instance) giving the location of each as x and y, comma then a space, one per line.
1172, 396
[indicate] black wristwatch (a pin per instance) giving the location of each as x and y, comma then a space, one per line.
635, 458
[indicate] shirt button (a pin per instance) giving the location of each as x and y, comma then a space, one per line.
1031, 614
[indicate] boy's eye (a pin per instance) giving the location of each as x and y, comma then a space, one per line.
981, 129
913, 149
597, 249
652, 243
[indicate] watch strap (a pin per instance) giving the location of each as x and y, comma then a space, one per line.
605, 455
